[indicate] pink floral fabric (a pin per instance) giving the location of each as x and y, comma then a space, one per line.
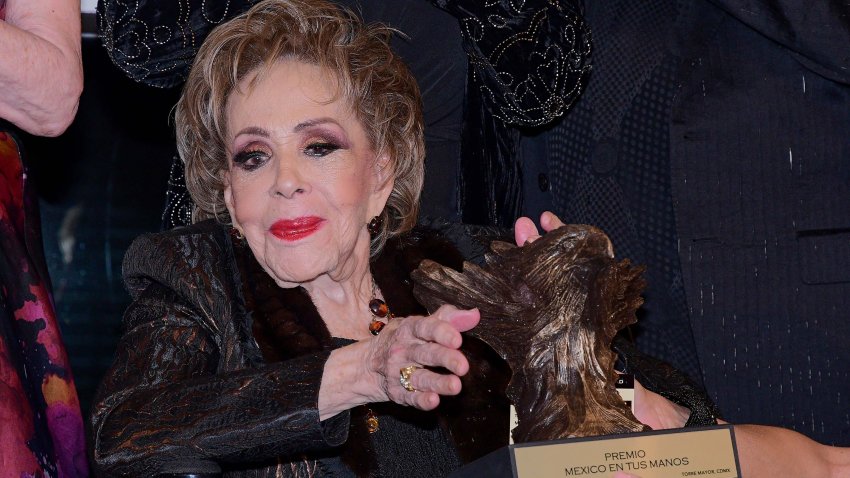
41, 428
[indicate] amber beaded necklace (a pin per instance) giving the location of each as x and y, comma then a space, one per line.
379, 310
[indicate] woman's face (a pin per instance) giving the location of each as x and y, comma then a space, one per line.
303, 180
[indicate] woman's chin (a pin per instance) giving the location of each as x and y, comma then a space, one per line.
293, 263
297, 273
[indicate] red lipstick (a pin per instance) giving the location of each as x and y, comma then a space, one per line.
295, 229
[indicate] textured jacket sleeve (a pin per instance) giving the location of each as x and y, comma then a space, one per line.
817, 32
172, 403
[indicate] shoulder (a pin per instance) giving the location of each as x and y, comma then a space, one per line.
452, 243
180, 258
422, 243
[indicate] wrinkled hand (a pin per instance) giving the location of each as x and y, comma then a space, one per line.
431, 341
526, 232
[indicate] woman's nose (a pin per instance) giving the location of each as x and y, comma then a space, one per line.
289, 182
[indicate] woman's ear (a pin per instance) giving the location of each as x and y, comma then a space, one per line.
384, 182
228, 195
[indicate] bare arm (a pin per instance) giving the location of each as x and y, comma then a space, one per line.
772, 451
41, 68
763, 451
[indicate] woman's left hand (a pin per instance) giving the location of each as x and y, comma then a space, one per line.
420, 342
658, 412
525, 231
369, 371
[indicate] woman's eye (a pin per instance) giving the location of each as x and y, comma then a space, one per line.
250, 160
320, 149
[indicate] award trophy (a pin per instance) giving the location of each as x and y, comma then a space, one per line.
551, 310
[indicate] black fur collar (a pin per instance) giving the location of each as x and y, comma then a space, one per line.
286, 324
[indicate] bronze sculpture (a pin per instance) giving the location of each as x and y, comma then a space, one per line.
551, 310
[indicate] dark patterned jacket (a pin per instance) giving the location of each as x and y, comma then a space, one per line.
219, 367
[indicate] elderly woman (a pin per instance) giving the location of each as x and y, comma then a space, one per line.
279, 335
257, 345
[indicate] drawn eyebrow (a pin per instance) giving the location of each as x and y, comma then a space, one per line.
257, 131
254, 130
313, 122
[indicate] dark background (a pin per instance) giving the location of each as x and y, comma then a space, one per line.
101, 184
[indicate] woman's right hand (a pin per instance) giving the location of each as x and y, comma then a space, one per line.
432, 341
369, 371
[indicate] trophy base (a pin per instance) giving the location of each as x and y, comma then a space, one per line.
705, 451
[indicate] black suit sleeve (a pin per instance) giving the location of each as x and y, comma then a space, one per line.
818, 32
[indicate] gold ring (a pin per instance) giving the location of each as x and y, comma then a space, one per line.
404, 377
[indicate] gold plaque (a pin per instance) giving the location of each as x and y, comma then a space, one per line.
684, 452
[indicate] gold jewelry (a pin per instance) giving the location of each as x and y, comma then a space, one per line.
404, 377
372, 423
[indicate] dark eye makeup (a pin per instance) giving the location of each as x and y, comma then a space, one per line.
250, 159
317, 143
321, 148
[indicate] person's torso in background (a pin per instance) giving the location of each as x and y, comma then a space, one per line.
711, 154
